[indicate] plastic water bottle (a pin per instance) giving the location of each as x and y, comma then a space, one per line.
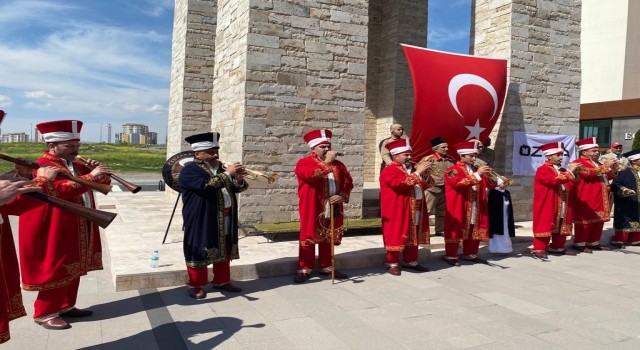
155, 259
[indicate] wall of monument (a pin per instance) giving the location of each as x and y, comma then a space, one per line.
542, 41
193, 47
389, 83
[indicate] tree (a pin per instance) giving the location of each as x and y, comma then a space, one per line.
636, 141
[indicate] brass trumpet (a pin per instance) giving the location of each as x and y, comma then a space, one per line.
254, 174
495, 176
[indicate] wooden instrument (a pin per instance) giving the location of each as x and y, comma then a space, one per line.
102, 188
133, 188
98, 217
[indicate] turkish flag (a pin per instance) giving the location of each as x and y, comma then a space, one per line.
456, 96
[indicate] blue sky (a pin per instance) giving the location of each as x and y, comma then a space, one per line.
449, 22
109, 61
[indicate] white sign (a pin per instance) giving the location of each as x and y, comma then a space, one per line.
527, 156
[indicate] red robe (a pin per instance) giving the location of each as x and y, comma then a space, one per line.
10, 297
57, 247
589, 197
459, 194
313, 192
397, 201
547, 201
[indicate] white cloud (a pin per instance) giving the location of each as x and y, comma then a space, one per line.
157, 108
85, 60
157, 8
37, 94
439, 36
5, 101
41, 106
26, 12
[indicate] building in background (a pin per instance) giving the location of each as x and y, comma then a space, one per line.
135, 133
152, 138
15, 137
610, 91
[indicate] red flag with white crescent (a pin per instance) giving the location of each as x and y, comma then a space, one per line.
458, 97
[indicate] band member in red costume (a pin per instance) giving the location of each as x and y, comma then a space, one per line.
57, 247
323, 181
551, 219
405, 218
589, 202
11, 306
467, 219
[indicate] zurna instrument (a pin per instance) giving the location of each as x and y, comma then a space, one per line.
102, 188
133, 188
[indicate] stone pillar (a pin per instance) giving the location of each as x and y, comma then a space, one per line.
541, 38
229, 90
389, 83
284, 68
194, 28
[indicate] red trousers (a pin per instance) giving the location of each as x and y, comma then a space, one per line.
588, 234
221, 271
622, 237
307, 255
221, 274
409, 256
540, 244
470, 247
53, 302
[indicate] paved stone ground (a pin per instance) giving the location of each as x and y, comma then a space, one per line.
588, 302
591, 301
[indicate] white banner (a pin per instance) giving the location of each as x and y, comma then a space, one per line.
527, 156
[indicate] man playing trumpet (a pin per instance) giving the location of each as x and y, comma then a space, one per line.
405, 219
589, 202
57, 247
210, 212
551, 215
467, 212
323, 181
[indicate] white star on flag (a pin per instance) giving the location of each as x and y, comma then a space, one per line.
474, 131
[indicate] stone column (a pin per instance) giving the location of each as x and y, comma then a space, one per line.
194, 28
541, 39
284, 68
389, 83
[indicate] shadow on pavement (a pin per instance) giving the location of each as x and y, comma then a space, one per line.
165, 334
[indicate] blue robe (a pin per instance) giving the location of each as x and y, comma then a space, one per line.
205, 242
626, 213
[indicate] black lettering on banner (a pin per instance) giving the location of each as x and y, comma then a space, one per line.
525, 151
536, 153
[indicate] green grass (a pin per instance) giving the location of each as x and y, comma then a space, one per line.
121, 158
